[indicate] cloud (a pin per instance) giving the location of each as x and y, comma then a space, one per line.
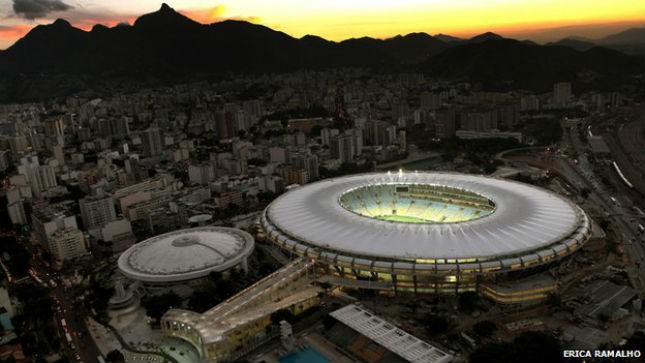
32, 9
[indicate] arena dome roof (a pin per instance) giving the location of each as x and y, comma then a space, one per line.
186, 254
521, 218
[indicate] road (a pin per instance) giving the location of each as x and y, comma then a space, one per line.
620, 215
581, 174
82, 347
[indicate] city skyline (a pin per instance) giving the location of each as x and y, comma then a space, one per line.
333, 20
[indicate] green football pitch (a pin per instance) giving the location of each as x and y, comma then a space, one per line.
397, 218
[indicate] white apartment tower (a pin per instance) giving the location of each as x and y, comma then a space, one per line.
97, 211
67, 243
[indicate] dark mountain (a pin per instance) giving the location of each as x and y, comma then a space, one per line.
166, 20
168, 43
167, 46
414, 47
53, 44
510, 64
631, 41
573, 43
629, 36
484, 37
447, 38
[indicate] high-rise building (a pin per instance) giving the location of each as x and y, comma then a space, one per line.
120, 127
18, 143
42, 178
562, 93
308, 162
296, 176
47, 220
529, 103
357, 135
277, 154
97, 211
483, 120
430, 101
59, 154
390, 135
445, 124
153, 141
326, 134
342, 148
5, 159
67, 243
103, 127
17, 212
253, 110
509, 114
55, 128
201, 174
403, 141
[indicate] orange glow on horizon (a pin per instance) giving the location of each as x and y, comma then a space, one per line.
14, 31
338, 20
205, 15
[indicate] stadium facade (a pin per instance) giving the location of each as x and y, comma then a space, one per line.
425, 232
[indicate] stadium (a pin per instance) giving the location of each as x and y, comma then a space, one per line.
186, 255
425, 232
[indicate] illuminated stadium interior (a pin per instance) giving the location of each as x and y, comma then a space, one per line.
417, 203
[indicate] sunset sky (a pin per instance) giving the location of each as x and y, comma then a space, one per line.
342, 19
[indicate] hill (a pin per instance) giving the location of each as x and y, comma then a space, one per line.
166, 46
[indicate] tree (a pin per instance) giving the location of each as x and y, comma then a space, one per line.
485, 328
215, 276
635, 342
157, 305
204, 299
553, 300
115, 356
468, 301
328, 322
325, 286
490, 353
437, 324
315, 131
529, 347
283, 314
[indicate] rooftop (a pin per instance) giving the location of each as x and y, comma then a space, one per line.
186, 254
389, 336
526, 219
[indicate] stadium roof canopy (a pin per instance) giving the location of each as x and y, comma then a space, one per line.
525, 219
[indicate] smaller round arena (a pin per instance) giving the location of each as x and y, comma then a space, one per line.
186, 254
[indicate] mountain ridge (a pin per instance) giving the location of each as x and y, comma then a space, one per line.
167, 45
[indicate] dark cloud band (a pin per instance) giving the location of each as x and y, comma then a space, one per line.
32, 9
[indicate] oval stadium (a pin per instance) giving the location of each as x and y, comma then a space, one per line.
186, 254
426, 232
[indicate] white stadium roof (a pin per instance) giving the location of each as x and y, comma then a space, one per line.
526, 219
186, 254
